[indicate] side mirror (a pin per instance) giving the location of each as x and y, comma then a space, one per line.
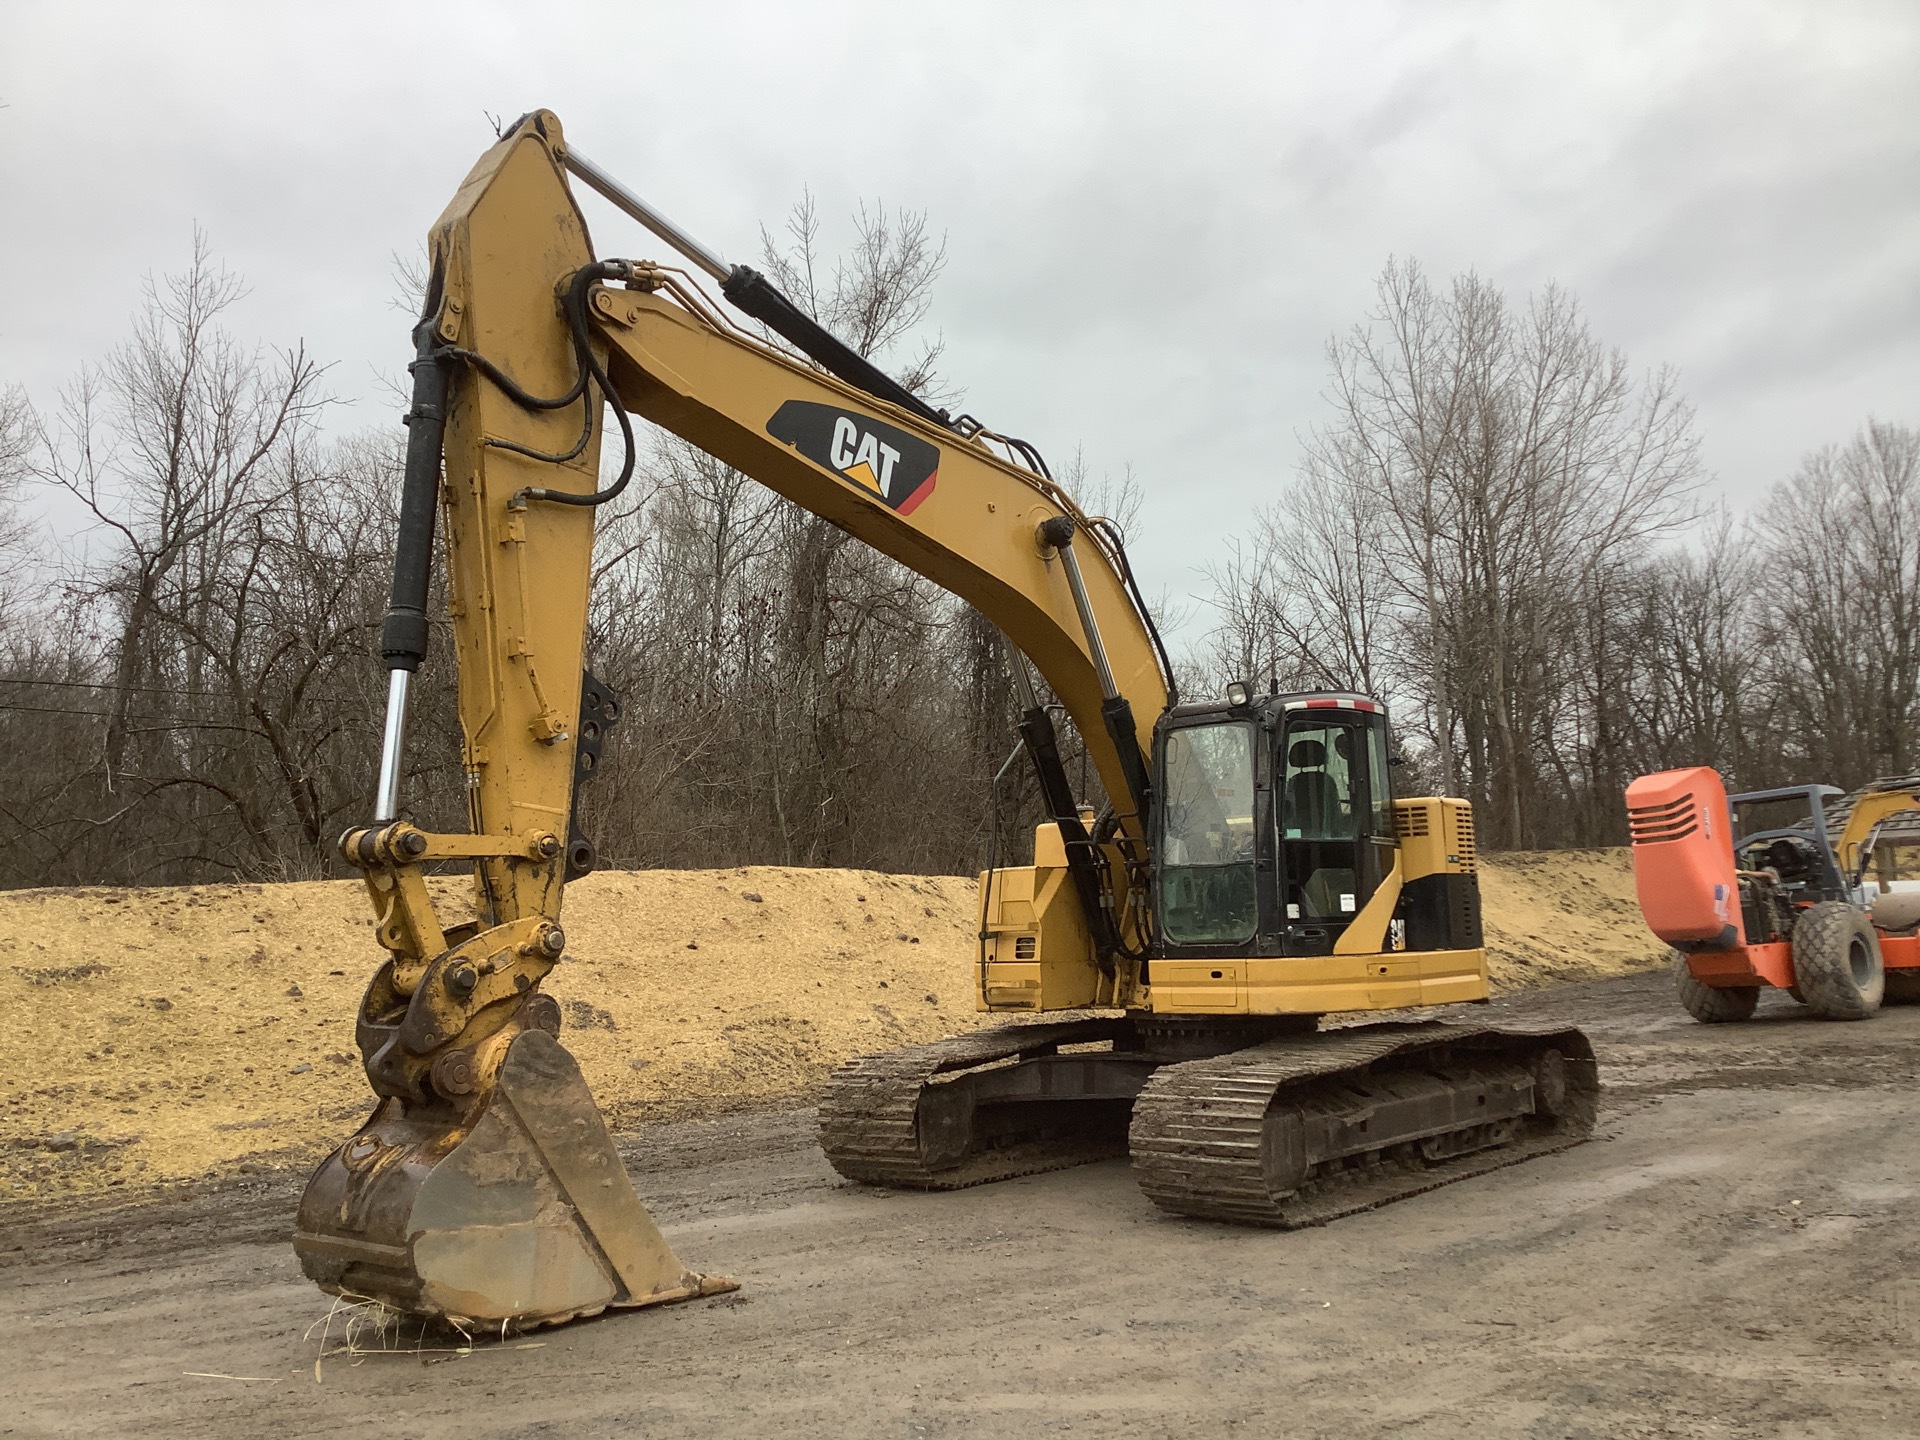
1396, 760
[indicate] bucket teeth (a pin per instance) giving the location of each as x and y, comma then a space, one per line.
523, 1215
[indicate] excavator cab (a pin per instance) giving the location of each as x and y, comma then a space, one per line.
1276, 822
1283, 881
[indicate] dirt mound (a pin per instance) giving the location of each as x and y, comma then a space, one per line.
159, 1035
1556, 915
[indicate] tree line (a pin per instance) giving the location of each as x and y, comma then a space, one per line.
1496, 529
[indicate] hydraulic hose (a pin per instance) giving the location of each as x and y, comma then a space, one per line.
589, 369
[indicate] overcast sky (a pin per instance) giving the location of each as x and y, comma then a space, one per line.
1155, 215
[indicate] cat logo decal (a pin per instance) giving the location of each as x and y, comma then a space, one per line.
899, 468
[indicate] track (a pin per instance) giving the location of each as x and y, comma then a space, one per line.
1205, 1133
1279, 1133
873, 1129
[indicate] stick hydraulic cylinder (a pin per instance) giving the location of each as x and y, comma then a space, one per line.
403, 634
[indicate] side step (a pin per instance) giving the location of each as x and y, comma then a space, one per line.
1307, 1129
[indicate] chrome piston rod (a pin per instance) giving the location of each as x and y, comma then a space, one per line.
393, 743
625, 200
1095, 646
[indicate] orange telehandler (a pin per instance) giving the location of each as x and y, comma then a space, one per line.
1253, 869
1786, 905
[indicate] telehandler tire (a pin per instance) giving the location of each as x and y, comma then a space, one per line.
1709, 1005
1836, 960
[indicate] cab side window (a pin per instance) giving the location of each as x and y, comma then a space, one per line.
1380, 768
1336, 819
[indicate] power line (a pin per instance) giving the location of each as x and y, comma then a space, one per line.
180, 721
109, 685
53, 710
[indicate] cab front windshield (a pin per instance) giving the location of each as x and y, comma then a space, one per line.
1207, 836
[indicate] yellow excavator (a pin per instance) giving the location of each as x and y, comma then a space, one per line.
1251, 872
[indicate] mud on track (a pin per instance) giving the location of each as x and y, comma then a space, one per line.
1660, 1281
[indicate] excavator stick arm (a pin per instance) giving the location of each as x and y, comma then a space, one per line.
485, 1187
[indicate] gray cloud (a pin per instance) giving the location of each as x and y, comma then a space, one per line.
1156, 214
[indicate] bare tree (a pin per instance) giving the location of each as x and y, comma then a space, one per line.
1695, 695
19, 429
1306, 602
169, 447
1840, 543
1486, 473
879, 290
784, 682
222, 590
1476, 535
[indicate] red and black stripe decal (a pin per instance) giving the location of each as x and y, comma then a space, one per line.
884, 460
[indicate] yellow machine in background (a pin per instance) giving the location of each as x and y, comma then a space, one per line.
1253, 869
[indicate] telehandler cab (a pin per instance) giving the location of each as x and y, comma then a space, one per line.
1253, 868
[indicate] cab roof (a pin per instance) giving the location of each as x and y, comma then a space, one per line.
1269, 707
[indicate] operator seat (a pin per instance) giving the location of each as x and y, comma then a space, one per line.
1792, 858
1313, 799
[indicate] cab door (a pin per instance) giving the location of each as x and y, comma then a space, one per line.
1334, 809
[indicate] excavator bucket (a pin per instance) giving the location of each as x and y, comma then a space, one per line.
524, 1215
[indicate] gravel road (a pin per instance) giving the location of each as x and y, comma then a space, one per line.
1736, 1254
